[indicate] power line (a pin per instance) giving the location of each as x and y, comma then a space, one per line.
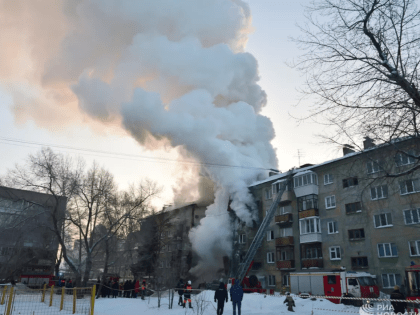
124, 156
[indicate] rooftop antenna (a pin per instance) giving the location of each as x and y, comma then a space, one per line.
299, 155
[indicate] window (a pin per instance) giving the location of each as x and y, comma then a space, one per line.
387, 250
412, 216
278, 186
332, 279
330, 202
409, 186
414, 247
358, 234
308, 226
313, 253
286, 280
373, 167
242, 238
283, 210
285, 255
270, 257
335, 253
349, 182
268, 194
286, 232
354, 207
404, 159
359, 262
379, 192
332, 227
271, 280
270, 235
328, 179
307, 202
389, 280
306, 179
382, 220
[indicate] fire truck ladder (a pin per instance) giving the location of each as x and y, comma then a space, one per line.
257, 241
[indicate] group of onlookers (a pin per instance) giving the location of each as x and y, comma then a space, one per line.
128, 289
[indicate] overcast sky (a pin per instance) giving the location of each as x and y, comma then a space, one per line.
274, 22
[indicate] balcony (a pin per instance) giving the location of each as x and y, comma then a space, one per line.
308, 213
284, 219
286, 197
285, 241
310, 238
312, 262
286, 264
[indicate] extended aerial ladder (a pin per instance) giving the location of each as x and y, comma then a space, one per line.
257, 241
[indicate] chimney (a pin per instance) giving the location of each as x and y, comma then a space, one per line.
347, 148
273, 172
368, 143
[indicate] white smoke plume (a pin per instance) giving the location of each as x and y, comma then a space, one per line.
172, 72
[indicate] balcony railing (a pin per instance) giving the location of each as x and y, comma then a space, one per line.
285, 241
286, 264
312, 262
308, 213
284, 219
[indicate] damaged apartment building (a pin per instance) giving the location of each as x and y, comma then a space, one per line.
344, 213
164, 251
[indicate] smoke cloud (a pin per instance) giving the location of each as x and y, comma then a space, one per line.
168, 72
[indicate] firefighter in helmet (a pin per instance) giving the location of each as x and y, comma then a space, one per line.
143, 289
187, 293
290, 302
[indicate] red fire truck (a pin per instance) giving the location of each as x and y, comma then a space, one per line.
334, 283
413, 281
249, 284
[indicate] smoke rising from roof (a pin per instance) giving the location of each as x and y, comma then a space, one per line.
172, 72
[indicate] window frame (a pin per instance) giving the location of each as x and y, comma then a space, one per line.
353, 203
287, 278
411, 216
350, 182
336, 250
332, 197
384, 192
303, 203
242, 238
394, 276
360, 231
375, 167
416, 245
399, 158
303, 226
388, 218
334, 225
330, 179
390, 245
271, 280
268, 194
415, 184
270, 235
269, 256
357, 266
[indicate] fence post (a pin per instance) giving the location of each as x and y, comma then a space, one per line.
74, 300
51, 294
92, 300
9, 304
43, 293
62, 298
3, 295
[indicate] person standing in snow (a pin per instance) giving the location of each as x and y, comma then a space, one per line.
399, 307
180, 287
236, 295
290, 302
143, 289
187, 294
220, 295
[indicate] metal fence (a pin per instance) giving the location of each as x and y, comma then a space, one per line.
45, 301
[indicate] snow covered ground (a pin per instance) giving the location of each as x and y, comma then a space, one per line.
251, 304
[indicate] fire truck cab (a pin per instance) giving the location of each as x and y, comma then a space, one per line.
413, 281
334, 283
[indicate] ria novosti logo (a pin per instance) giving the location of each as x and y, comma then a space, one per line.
380, 309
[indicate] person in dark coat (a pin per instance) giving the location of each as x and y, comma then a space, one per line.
236, 295
290, 302
143, 289
115, 289
180, 287
399, 307
125, 288
108, 289
221, 296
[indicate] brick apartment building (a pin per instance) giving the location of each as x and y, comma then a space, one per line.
342, 213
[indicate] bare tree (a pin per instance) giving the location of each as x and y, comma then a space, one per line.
361, 60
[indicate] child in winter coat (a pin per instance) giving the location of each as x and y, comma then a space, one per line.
221, 296
290, 302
